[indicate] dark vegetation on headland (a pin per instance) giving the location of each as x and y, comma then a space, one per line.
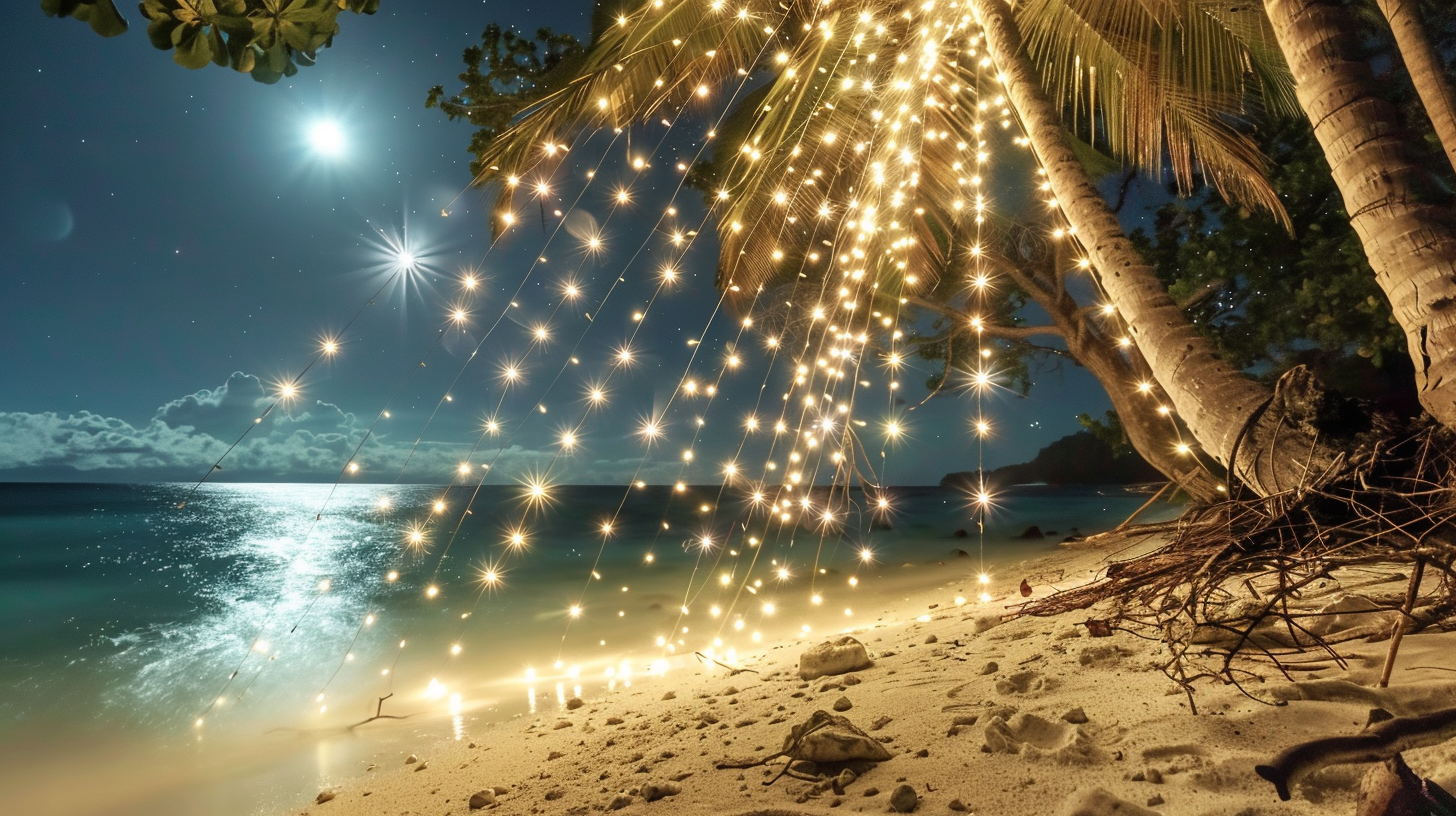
1079, 459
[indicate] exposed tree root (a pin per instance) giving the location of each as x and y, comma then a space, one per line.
1224, 593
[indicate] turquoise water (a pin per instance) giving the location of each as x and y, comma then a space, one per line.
266, 611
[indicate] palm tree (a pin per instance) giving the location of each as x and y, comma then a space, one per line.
1425, 69
1221, 405
1404, 219
1173, 71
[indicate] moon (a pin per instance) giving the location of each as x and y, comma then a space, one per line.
327, 138
48, 220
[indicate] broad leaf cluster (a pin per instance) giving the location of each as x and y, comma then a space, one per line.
268, 39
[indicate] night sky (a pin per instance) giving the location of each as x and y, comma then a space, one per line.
176, 245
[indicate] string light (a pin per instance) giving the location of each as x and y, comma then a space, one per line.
906, 97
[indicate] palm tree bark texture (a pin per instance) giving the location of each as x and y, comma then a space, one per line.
1403, 218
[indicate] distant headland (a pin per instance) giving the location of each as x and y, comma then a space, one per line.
1078, 459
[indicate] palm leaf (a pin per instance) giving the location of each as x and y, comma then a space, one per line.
1163, 83
652, 59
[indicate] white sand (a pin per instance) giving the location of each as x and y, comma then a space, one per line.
1136, 721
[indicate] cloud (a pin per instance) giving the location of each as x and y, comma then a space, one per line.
310, 442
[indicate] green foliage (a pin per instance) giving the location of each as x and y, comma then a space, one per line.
268, 39
1270, 300
102, 15
518, 73
1109, 430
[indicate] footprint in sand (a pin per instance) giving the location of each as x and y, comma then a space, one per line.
1023, 682
1100, 655
1034, 737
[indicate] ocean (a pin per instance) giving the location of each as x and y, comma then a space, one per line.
226, 655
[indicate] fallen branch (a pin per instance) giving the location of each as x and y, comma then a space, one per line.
732, 670
1376, 744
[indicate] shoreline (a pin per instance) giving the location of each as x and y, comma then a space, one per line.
1030, 716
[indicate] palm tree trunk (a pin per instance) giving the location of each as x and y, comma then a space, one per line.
1216, 401
1425, 71
1151, 434
1409, 239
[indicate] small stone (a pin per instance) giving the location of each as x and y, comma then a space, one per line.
966, 719
412, 759
652, 791
834, 657
554, 794
850, 680
1137, 777
615, 721
985, 623
480, 799
471, 745
881, 722
422, 765
923, 753
574, 703
843, 704
958, 806
326, 795
872, 792
619, 801
1154, 776
846, 777
903, 799
498, 790
671, 695
560, 724
932, 639
1155, 800
554, 755
1076, 716
990, 668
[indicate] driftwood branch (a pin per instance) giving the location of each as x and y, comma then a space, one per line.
1377, 743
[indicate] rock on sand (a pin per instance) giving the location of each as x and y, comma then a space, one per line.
826, 737
833, 657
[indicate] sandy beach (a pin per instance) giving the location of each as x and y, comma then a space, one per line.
978, 714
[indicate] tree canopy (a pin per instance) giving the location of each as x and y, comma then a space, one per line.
267, 39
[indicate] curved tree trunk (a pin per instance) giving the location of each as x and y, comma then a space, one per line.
1425, 70
1409, 239
1153, 435
1217, 402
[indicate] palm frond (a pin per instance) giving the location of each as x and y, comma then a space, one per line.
1162, 83
653, 59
